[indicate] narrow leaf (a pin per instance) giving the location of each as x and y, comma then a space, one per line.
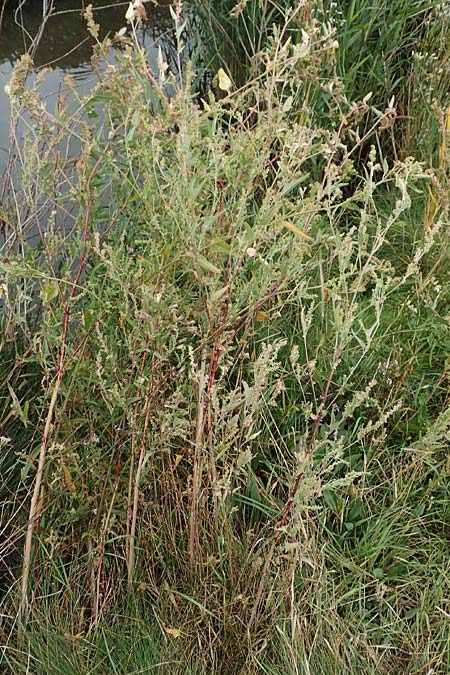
296, 230
208, 266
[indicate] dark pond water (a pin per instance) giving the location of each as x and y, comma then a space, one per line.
65, 44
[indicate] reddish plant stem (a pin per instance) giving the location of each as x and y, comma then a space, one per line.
161, 94
288, 506
33, 515
299, 477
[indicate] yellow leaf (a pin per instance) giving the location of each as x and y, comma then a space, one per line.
72, 638
40, 504
130, 13
295, 230
224, 80
292, 546
261, 316
205, 105
3, 216
173, 632
68, 478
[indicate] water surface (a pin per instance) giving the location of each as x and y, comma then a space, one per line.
65, 45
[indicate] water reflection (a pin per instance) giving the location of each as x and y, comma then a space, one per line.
65, 44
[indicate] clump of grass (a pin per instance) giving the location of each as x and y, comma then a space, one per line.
374, 46
236, 446
234, 33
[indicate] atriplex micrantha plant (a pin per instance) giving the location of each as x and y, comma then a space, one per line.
211, 315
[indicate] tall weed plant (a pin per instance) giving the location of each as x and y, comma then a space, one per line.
226, 382
375, 45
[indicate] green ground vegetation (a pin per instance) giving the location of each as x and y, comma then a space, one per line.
224, 373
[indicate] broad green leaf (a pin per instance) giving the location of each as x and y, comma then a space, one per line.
218, 294
220, 246
331, 500
206, 265
134, 125
88, 317
49, 291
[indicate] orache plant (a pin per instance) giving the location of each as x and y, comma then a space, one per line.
215, 322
